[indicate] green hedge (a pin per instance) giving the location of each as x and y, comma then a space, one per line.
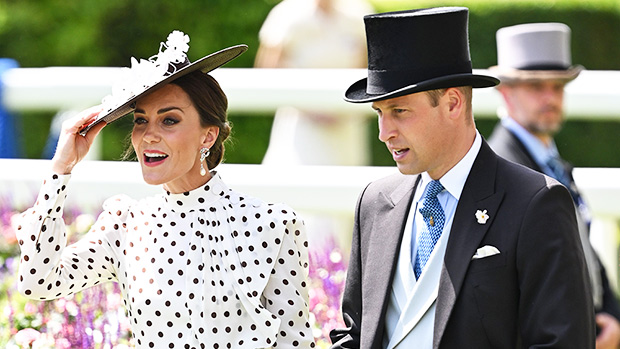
107, 33
595, 25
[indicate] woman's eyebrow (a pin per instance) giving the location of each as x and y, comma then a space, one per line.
160, 111
167, 109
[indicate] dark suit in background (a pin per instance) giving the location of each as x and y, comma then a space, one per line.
508, 146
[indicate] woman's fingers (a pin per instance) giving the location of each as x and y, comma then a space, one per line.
84, 118
94, 131
73, 147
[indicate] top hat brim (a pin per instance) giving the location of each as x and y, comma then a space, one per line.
356, 93
512, 75
205, 65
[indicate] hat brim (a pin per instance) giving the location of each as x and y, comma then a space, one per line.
356, 93
205, 65
511, 75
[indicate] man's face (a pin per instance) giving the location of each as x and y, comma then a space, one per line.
536, 105
416, 133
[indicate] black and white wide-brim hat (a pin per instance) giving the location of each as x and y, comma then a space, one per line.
146, 76
414, 51
534, 51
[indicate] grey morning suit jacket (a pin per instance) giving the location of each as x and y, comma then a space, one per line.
535, 293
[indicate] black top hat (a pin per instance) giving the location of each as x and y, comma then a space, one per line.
146, 76
414, 51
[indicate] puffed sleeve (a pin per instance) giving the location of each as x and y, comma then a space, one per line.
49, 268
286, 293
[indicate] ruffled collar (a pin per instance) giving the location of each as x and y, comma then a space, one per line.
200, 198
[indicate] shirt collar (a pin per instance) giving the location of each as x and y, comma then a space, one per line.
454, 179
199, 198
537, 149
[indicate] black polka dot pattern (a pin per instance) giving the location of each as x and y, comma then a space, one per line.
209, 268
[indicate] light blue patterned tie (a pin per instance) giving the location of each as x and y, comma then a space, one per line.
434, 218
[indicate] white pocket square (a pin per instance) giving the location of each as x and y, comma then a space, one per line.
485, 251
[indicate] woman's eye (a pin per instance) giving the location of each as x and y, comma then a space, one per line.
170, 121
139, 121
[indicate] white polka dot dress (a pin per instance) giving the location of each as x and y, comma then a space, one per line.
209, 268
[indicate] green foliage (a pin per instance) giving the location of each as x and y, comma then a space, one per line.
249, 140
595, 25
107, 33
33, 141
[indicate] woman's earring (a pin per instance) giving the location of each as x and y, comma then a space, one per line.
204, 152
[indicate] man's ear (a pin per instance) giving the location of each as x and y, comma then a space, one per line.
210, 136
456, 100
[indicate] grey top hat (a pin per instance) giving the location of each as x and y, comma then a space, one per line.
534, 51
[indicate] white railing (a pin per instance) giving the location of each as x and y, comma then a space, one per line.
321, 189
594, 94
329, 191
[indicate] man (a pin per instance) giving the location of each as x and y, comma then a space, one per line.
463, 249
534, 65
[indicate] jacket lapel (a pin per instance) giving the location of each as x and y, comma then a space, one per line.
383, 248
478, 194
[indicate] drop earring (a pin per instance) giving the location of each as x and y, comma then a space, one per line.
204, 152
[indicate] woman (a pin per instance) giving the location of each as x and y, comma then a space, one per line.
200, 266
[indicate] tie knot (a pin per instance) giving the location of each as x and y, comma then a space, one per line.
433, 189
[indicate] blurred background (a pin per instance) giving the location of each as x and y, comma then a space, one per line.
94, 33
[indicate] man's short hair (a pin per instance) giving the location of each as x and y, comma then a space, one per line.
434, 95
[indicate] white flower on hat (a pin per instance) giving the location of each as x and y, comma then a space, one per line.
144, 74
177, 44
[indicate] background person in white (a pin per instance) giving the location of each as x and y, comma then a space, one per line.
315, 34
511, 258
534, 65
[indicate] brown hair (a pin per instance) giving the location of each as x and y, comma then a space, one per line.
211, 103
434, 95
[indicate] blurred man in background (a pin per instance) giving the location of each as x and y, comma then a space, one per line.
534, 65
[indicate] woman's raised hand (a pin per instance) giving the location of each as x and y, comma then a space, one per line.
73, 147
